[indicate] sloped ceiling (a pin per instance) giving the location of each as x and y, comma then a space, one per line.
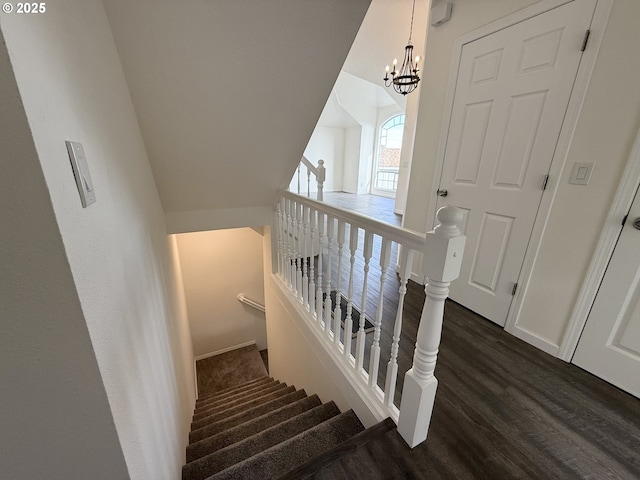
227, 93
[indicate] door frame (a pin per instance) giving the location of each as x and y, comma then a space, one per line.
603, 253
576, 100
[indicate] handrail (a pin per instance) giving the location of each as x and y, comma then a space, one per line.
315, 250
251, 303
307, 163
320, 172
401, 235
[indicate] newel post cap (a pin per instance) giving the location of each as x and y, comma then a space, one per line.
444, 246
321, 171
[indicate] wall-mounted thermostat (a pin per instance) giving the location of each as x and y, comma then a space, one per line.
81, 172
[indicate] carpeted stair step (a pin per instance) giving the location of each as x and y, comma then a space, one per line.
237, 452
286, 456
236, 388
241, 407
233, 435
209, 410
349, 452
234, 394
244, 416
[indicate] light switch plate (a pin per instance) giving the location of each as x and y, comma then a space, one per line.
581, 173
81, 173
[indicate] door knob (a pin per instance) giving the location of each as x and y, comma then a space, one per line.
444, 193
636, 223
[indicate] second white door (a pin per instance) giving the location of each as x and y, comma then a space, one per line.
512, 92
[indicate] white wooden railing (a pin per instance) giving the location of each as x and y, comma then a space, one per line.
318, 171
312, 262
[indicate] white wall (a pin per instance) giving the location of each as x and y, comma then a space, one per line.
55, 413
216, 267
607, 126
218, 96
326, 143
72, 86
352, 147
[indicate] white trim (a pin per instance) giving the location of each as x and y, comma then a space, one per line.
224, 350
578, 94
576, 101
493, 27
535, 340
603, 252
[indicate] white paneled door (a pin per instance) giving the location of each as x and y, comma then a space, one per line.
610, 343
512, 92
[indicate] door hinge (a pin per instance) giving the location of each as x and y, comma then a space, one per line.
514, 289
624, 220
585, 40
544, 182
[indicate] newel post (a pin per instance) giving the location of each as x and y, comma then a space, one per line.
320, 177
442, 258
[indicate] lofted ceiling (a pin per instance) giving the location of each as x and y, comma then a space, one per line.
227, 94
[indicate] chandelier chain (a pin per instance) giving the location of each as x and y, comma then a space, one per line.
413, 9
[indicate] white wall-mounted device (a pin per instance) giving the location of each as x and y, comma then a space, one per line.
81, 172
581, 173
440, 14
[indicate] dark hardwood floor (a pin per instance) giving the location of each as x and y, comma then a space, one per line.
504, 409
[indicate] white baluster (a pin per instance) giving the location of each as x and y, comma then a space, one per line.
443, 251
305, 256
312, 273
348, 321
318, 297
360, 339
280, 238
299, 235
392, 366
289, 239
374, 361
320, 177
327, 278
337, 313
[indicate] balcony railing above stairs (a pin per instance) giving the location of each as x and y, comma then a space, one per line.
319, 173
310, 239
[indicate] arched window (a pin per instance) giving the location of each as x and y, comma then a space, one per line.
387, 164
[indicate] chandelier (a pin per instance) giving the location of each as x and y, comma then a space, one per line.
406, 79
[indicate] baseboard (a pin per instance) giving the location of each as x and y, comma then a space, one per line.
535, 340
225, 350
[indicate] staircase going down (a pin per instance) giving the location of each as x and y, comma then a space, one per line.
265, 429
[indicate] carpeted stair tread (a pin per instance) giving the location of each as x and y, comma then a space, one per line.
229, 369
286, 456
238, 388
348, 447
244, 416
237, 452
232, 395
237, 400
240, 432
241, 407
